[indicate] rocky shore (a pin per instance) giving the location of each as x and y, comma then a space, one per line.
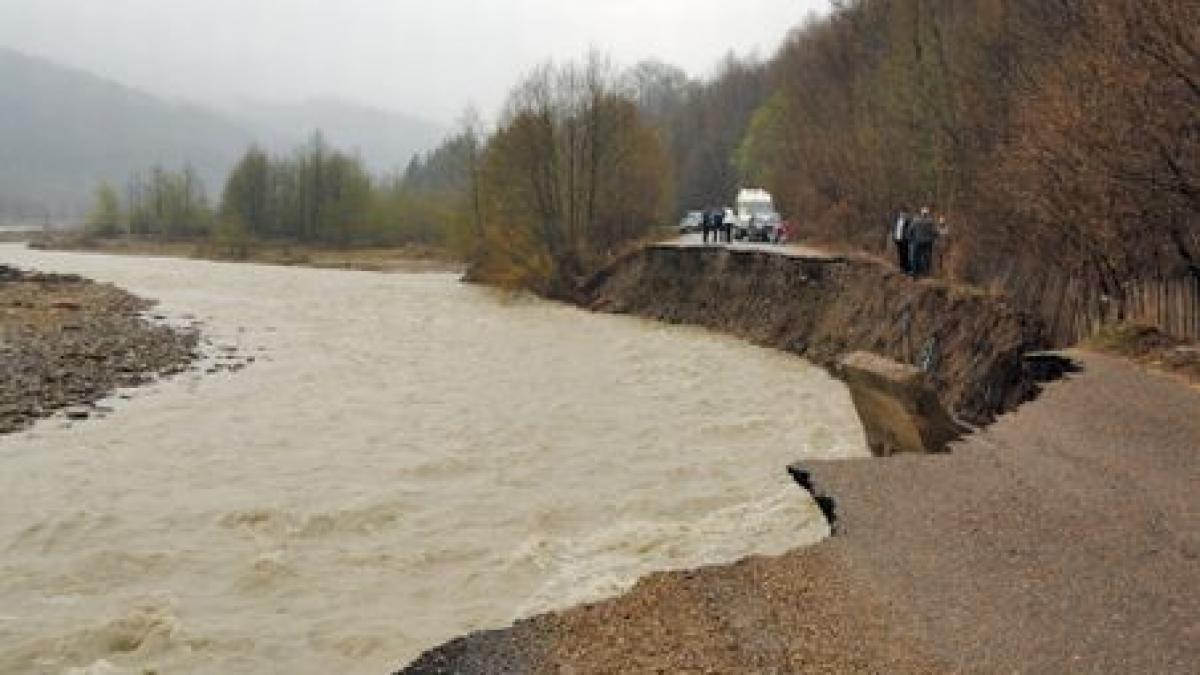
803, 612
67, 342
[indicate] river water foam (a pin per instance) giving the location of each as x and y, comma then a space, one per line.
408, 459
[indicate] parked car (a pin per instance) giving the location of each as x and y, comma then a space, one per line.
756, 218
691, 222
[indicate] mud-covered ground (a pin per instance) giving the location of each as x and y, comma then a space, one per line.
67, 342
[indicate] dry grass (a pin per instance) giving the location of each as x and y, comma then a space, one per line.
1149, 346
372, 259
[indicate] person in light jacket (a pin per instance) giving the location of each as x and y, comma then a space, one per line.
900, 237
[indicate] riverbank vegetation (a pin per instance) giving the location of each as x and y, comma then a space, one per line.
1060, 139
572, 175
318, 196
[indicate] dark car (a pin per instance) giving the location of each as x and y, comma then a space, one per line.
691, 222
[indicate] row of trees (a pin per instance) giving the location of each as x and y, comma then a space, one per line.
586, 159
572, 174
163, 203
316, 195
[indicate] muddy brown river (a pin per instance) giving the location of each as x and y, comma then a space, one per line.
408, 459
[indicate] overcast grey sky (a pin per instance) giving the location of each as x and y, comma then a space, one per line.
427, 57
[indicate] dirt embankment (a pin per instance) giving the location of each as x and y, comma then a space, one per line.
973, 344
66, 342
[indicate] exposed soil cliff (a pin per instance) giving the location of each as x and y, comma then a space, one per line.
972, 344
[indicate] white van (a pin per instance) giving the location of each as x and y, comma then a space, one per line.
757, 219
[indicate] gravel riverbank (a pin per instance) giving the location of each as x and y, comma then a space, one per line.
67, 342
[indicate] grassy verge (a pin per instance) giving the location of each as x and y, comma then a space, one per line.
1151, 347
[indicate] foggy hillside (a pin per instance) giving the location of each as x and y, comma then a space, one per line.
64, 130
385, 140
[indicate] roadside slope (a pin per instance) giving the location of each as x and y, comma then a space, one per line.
823, 307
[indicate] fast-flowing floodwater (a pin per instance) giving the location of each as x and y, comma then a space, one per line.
409, 458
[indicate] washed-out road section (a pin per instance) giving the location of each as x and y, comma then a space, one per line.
1060, 538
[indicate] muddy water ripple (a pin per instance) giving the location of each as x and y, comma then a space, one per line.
407, 459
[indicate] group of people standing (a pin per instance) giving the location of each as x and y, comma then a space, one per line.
715, 223
914, 237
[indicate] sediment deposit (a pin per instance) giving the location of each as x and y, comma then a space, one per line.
66, 342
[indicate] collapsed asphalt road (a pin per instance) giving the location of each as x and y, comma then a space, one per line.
1062, 538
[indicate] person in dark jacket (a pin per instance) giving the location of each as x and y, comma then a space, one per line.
923, 232
706, 223
900, 237
718, 224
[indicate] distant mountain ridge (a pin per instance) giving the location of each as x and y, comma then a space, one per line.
64, 130
385, 140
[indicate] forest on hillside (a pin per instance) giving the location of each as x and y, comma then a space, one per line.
1061, 138
63, 129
